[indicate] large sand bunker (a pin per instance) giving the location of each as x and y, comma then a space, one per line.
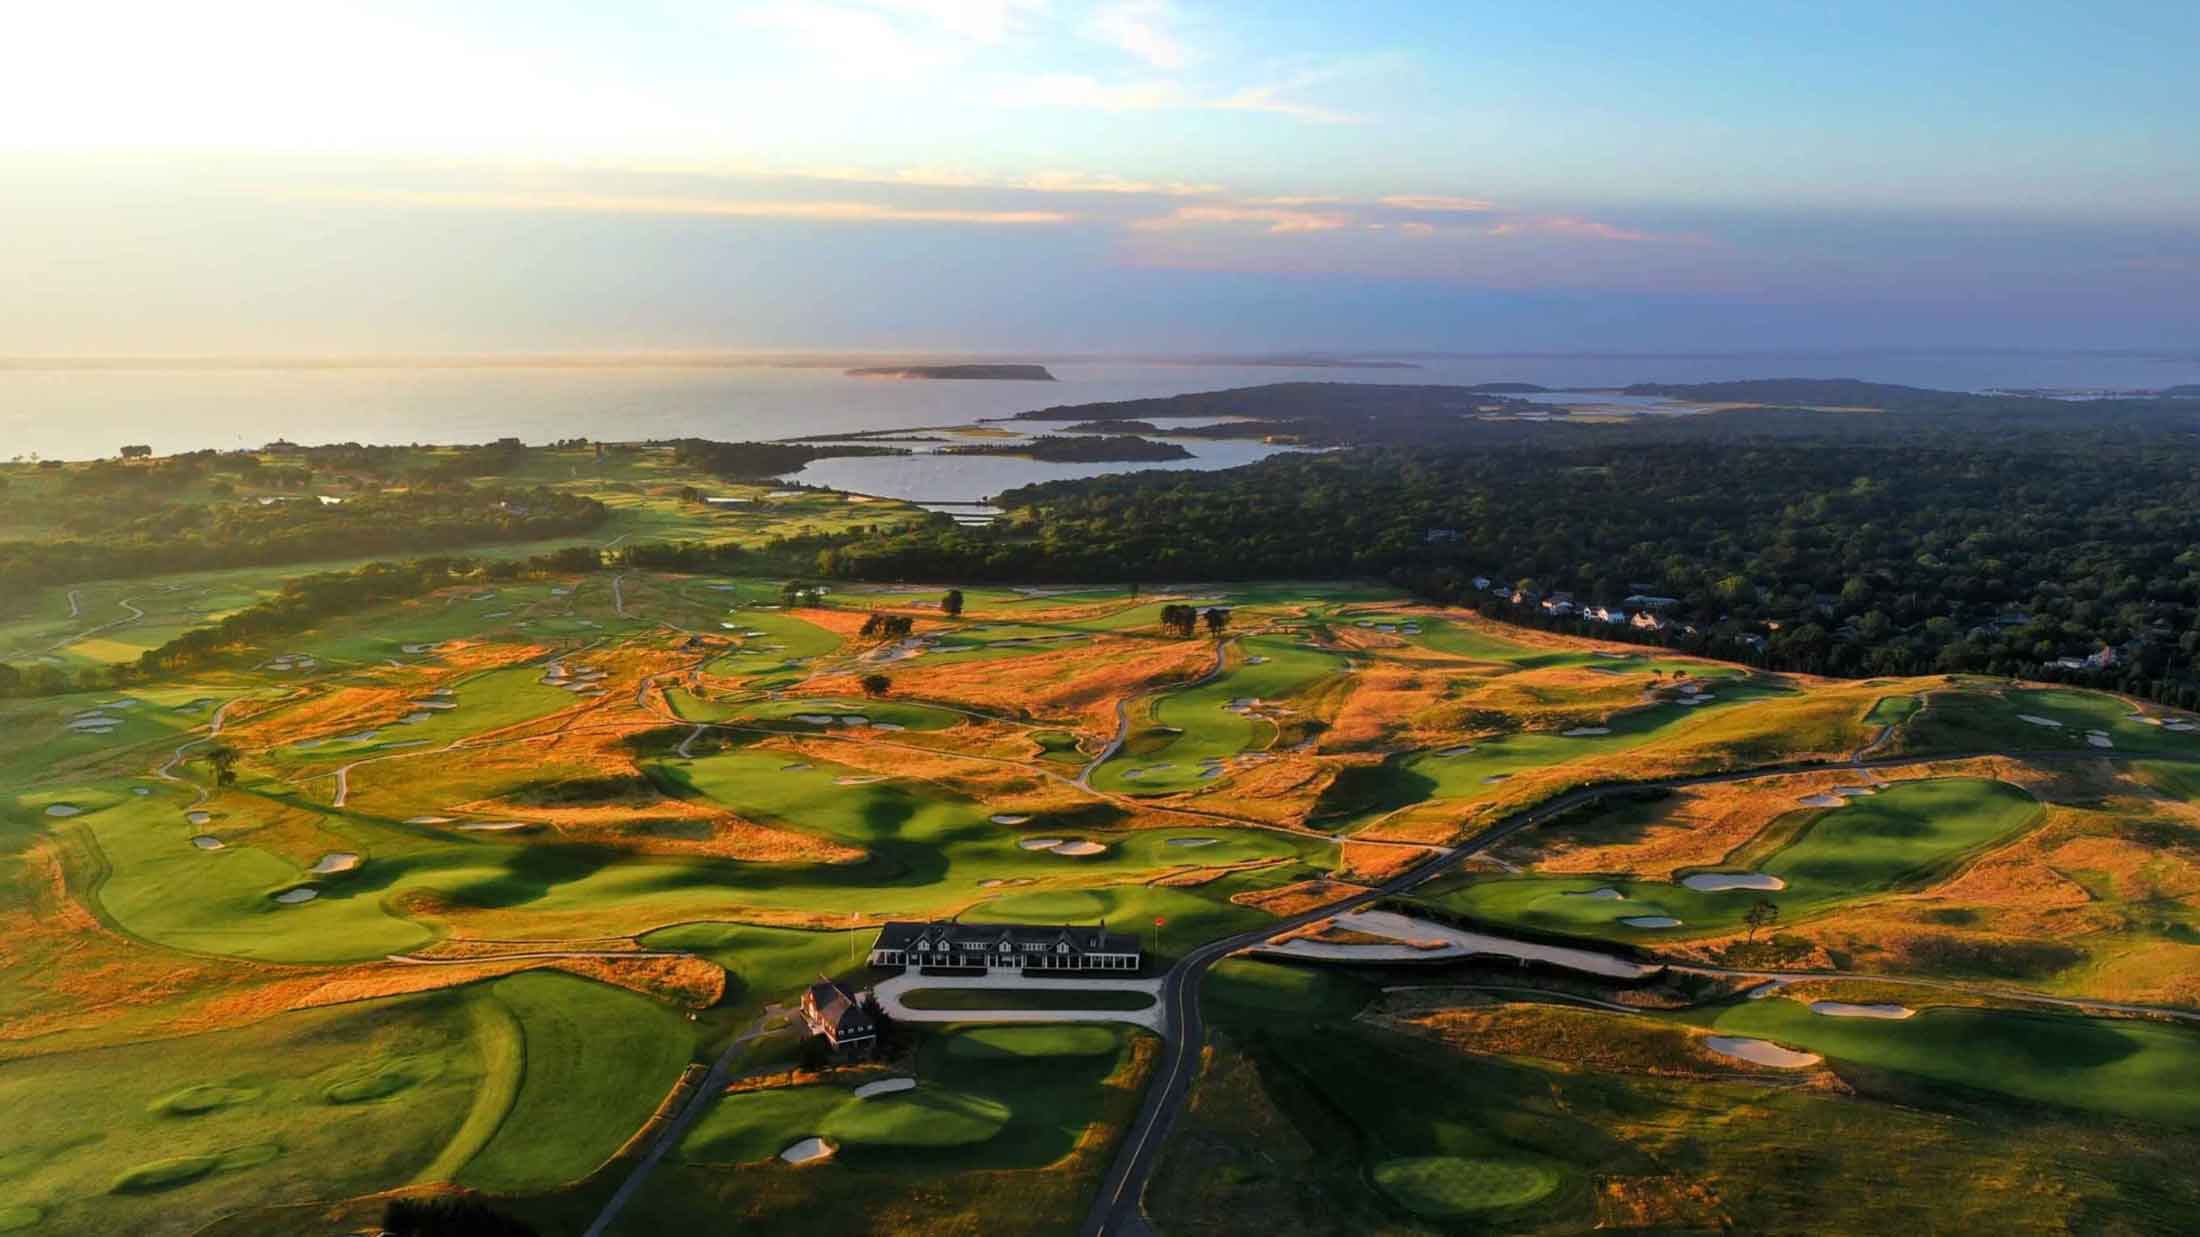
885, 1086
807, 1151
1760, 1052
1845, 1009
1079, 848
1720, 882
333, 862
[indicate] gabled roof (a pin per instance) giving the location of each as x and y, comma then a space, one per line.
905, 934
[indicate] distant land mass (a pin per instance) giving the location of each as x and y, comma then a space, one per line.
998, 373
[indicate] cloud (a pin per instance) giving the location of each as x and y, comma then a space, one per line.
1080, 91
1438, 202
1417, 228
1270, 99
980, 21
732, 208
1140, 28
1278, 219
1562, 225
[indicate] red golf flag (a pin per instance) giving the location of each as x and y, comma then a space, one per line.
1158, 921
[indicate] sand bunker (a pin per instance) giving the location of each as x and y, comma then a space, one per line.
141, 790
63, 809
1822, 801
859, 780
1079, 848
2048, 722
814, 719
1460, 750
1760, 1052
2099, 740
1190, 842
1495, 777
501, 826
1606, 894
1040, 843
1855, 792
429, 820
1583, 731
1008, 818
1720, 882
885, 1086
1651, 921
207, 841
1844, 1009
795, 767
292, 897
333, 862
198, 818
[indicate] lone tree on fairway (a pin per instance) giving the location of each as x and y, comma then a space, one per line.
1183, 620
223, 759
951, 604
1761, 916
1217, 619
875, 684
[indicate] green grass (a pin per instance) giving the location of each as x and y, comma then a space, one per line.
2181, 781
2124, 1067
155, 1137
1888, 710
1246, 991
1173, 734
988, 1097
1441, 1186
597, 1062
1976, 720
1900, 838
1041, 997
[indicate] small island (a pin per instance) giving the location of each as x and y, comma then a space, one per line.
995, 373
1112, 425
1055, 449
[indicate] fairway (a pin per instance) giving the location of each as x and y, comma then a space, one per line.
1183, 739
2124, 1067
1899, 838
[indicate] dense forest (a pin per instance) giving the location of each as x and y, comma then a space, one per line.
1923, 546
155, 536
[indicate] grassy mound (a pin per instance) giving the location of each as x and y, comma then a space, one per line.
159, 1175
204, 1098
925, 1117
19, 1217
1447, 1185
382, 1081
1274, 987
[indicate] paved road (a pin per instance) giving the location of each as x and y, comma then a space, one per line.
1116, 1210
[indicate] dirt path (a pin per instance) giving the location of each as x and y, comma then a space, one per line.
76, 610
127, 603
618, 595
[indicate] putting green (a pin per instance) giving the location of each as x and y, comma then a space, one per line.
1448, 1185
929, 1116
2122, 1066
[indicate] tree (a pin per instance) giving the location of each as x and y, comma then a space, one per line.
1181, 619
815, 1054
881, 1021
136, 451
223, 759
951, 604
1217, 619
1761, 916
876, 684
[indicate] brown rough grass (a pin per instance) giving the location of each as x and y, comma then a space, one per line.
1372, 865
1299, 897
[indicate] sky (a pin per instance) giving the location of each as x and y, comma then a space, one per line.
312, 176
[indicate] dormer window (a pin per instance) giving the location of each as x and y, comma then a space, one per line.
1004, 947
1062, 948
923, 944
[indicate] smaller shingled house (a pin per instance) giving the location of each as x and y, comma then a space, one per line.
832, 1013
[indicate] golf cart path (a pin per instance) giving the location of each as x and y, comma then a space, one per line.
676, 1129
1154, 1017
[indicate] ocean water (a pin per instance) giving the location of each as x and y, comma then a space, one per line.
87, 413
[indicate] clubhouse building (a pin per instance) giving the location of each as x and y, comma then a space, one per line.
832, 1013
1007, 947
